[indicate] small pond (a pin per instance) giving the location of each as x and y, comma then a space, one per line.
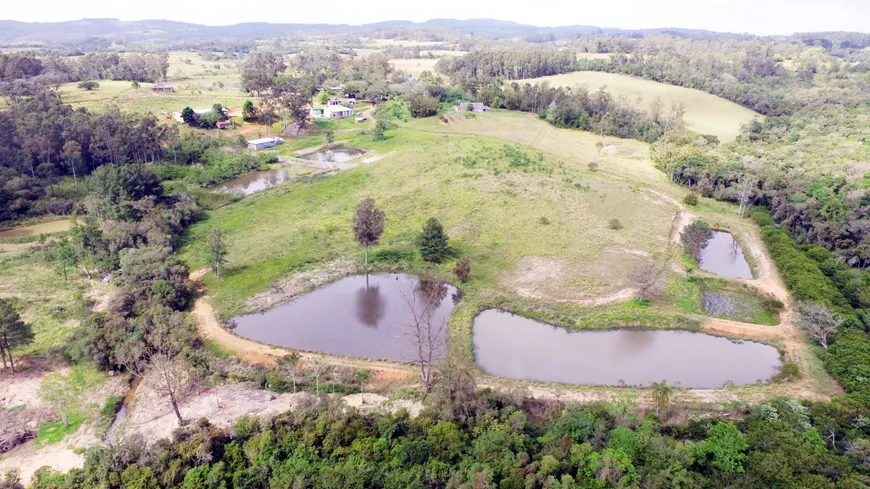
35, 229
337, 154
723, 256
364, 316
512, 346
250, 183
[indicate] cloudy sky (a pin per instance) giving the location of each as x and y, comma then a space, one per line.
753, 16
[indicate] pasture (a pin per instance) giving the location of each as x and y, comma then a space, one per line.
414, 66
705, 113
534, 225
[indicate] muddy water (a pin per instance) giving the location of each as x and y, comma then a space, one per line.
512, 346
338, 154
253, 182
723, 256
46, 227
363, 316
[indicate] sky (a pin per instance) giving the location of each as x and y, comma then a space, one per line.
761, 17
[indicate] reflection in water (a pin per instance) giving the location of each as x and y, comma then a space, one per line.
635, 341
369, 305
723, 256
431, 294
520, 348
253, 182
364, 316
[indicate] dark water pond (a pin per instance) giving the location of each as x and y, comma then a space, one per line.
338, 154
513, 346
253, 182
363, 316
723, 256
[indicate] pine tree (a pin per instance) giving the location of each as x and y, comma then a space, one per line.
432, 241
13, 331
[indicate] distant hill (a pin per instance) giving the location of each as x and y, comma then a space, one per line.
53, 33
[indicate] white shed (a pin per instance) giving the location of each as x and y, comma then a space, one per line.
337, 112
264, 143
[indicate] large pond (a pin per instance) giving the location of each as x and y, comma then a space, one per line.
253, 182
365, 316
723, 256
336, 154
512, 346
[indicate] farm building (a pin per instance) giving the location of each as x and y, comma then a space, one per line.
224, 124
475, 107
317, 112
264, 143
333, 101
337, 112
350, 101
161, 88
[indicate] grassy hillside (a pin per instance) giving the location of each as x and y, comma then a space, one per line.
526, 219
705, 113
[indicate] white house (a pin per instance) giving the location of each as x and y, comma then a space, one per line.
337, 112
317, 112
264, 143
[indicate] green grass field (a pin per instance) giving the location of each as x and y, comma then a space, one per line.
705, 113
526, 219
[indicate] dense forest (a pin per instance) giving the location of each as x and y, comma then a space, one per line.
490, 441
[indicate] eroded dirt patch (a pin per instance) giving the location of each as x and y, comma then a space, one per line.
290, 287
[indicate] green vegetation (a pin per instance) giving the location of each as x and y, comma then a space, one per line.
467, 440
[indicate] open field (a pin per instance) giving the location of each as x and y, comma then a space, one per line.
705, 113
414, 66
548, 235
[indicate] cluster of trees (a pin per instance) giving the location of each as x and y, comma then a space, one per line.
467, 439
204, 121
483, 66
46, 140
24, 75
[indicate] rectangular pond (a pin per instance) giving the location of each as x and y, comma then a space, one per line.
363, 316
253, 182
723, 256
512, 346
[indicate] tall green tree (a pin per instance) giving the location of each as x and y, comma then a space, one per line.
368, 224
13, 332
432, 241
248, 110
217, 252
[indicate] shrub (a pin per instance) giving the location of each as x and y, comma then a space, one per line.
593, 166
422, 106
543, 221
615, 224
89, 85
463, 269
691, 199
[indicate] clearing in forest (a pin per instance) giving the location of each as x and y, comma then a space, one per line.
705, 113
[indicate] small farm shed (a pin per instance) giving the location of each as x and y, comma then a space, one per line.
264, 143
224, 124
337, 112
333, 101
161, 88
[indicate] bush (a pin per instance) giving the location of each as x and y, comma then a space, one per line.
695, 238
593, 166
422, 106
543, 221
463, 269
89, 85
615, 224
691, 199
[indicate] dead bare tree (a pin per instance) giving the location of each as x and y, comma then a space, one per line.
747, 185
426, 332
174, 380
817, 320
649, 278
318, 367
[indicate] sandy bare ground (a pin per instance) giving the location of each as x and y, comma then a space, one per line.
60, 456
